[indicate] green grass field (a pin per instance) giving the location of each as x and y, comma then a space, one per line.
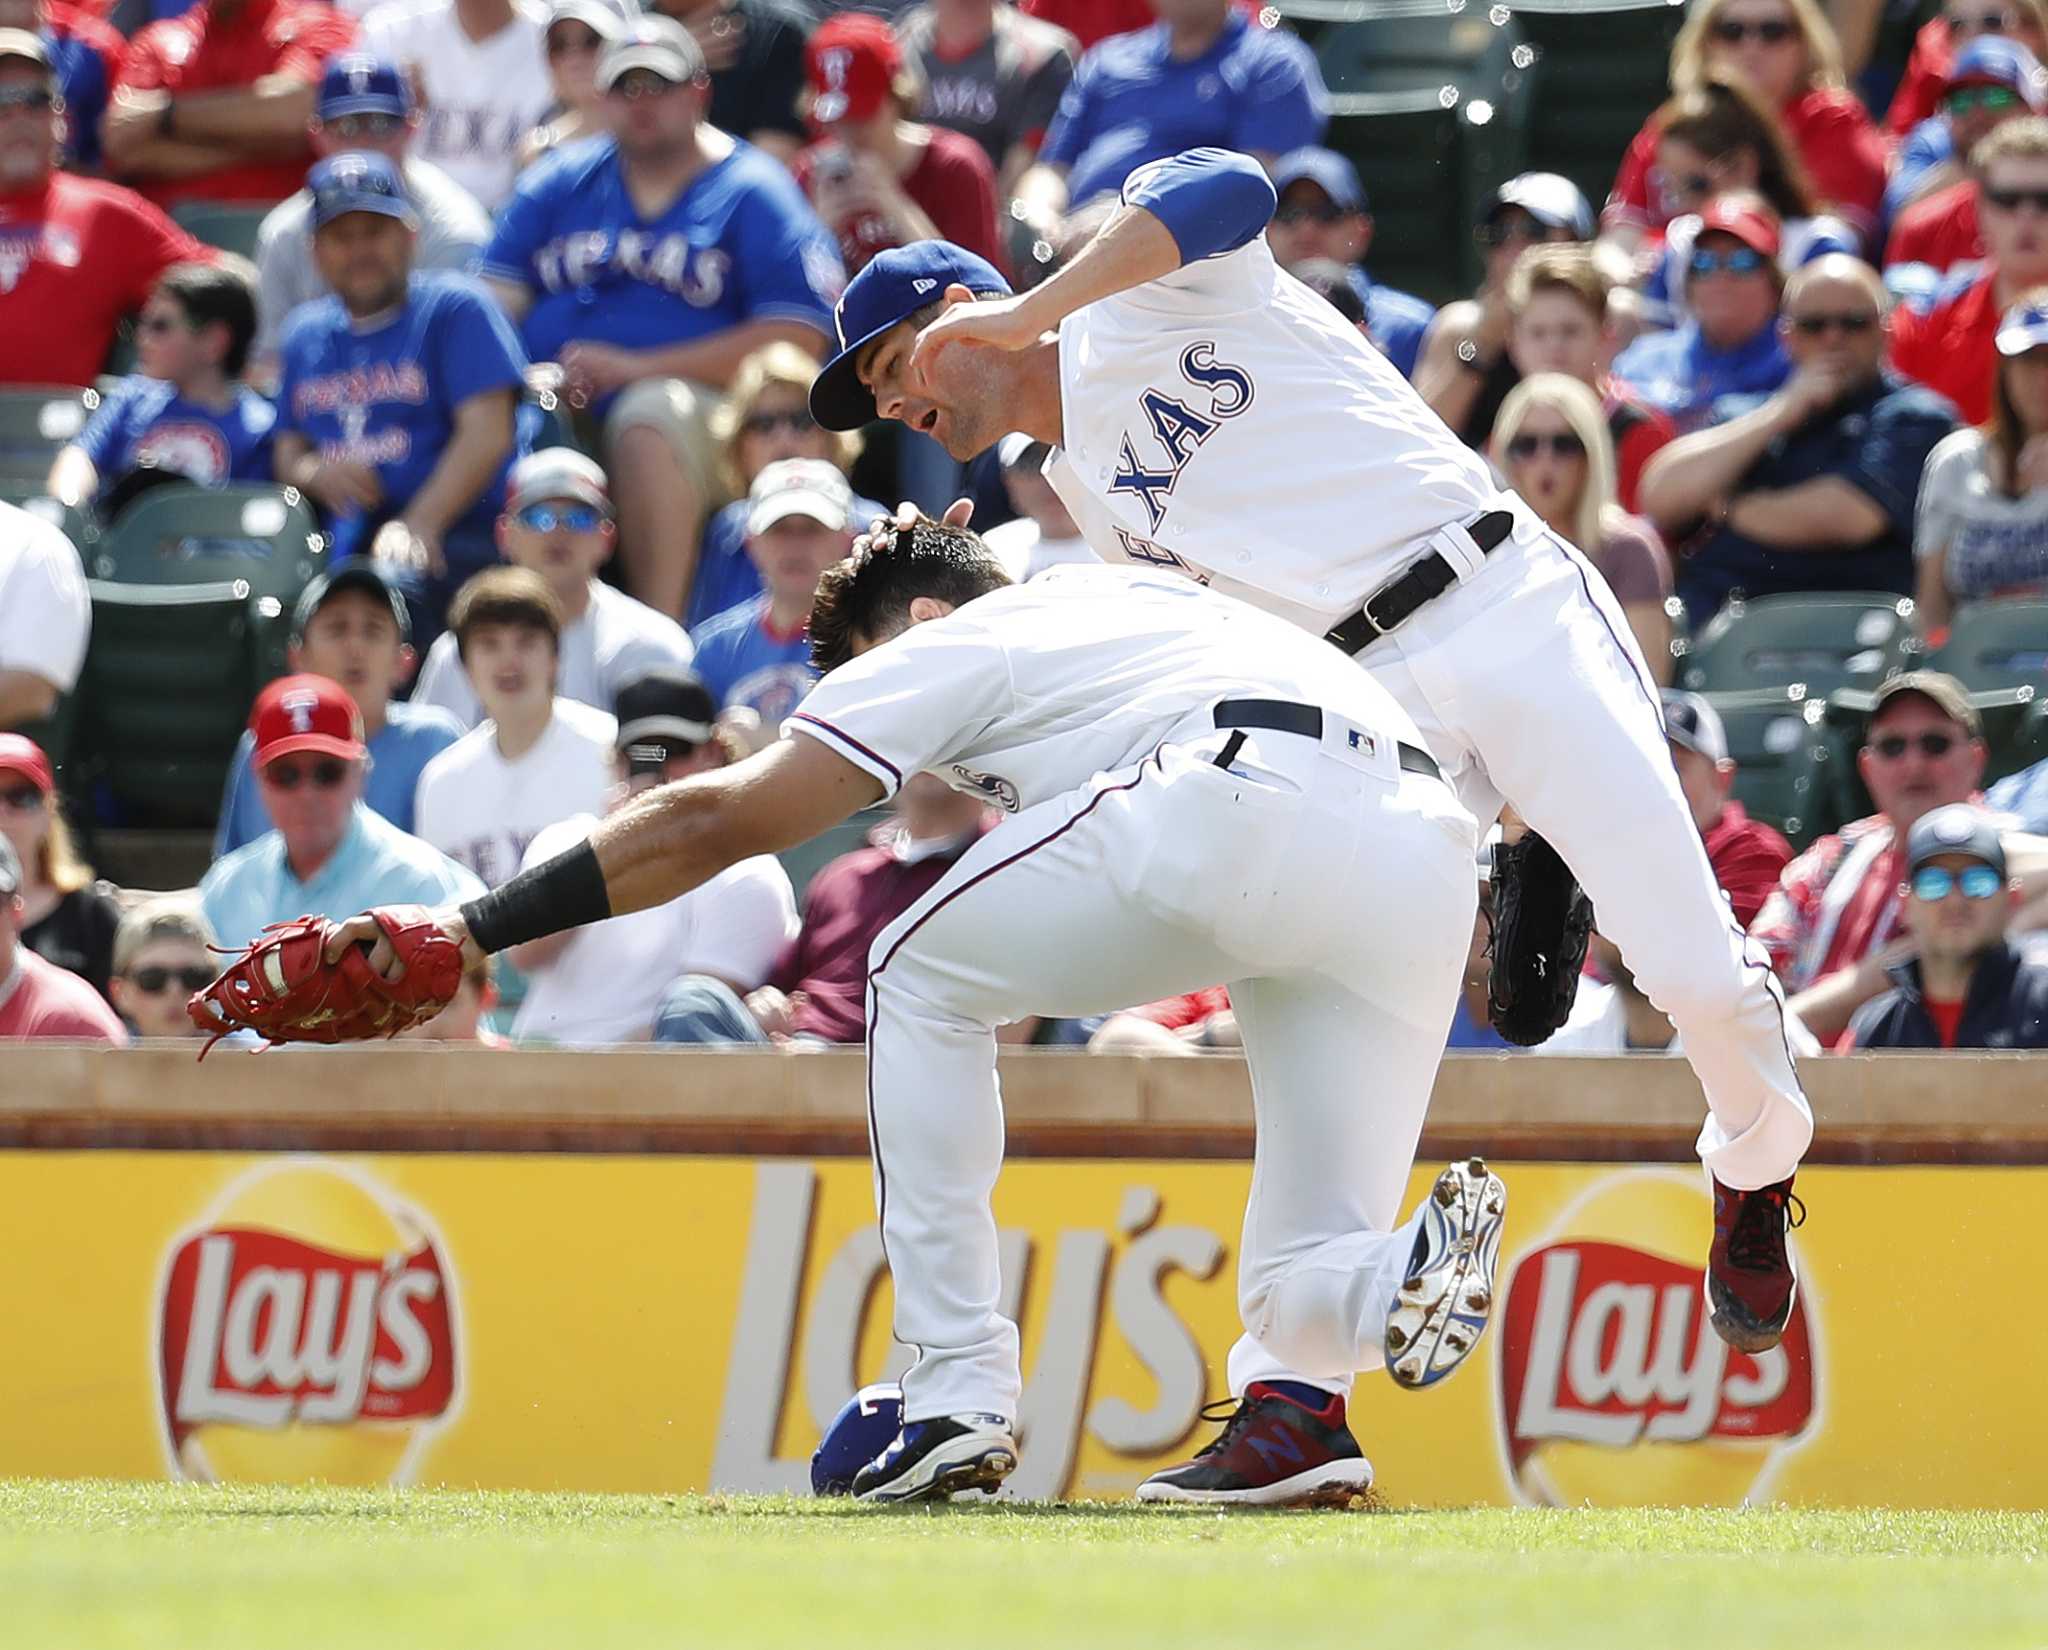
90, 1565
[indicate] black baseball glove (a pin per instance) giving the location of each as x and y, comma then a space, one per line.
1541, 922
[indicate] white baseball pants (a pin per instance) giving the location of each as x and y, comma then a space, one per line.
1334, 892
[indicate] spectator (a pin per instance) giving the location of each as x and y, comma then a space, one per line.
1323, 214
1982, 530
85, 54
991, 74
1814, 490
2023, 796
650, 264
539, 758
45, 617
1612, 1016
396, 394
578, 30
815, 992
1044, 534
765, 417
65, 916
162, 954
1932, 198
1832, 923
558, 522
607, 982
878, 178
1747, 855
76, 255
1464, 371
754, 53
351, 627
329, 855
1560, 311
481, 69
212, 105
463, 1020
1551, 442
37, 998
1181, 1025
1731, 343
366, 106
1945, 340
757, 654
1201, 75
1967, 986
184, 413
1788, 52
1958, 26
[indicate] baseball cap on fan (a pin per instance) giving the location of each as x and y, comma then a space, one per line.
306, 713
664, 714
358, 181
1745, 217
850, 61
1552, 199
1329, 171
2023, 327
657, 44
361, 83
1996, 60
1957, 828
799, 487
10, 869
350, 573
19, 43
557, 472
1690, 721
20, 754
607, 19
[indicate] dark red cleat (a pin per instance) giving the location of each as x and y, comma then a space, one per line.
1273, 1452
1750, 1283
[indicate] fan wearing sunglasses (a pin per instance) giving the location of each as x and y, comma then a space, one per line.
1968, 986
37, 998
1943, 37
161, 957
1933, 193
1815, 489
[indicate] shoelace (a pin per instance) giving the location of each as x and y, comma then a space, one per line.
1233, 1414
1756, 1242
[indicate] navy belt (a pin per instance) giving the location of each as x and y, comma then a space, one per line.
1396, 601
1288, 716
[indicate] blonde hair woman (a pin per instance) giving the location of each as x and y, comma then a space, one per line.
67, 918
1551, 442
1787, 51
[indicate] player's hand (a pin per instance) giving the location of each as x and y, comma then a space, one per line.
363, 930
1000, 323
345, 485
907, 516
593, 370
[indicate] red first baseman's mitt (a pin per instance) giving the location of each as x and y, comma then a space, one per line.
284, 989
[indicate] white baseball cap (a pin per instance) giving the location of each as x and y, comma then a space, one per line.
556, 472
800, 487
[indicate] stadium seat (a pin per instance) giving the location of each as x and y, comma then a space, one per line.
77, 525
1847, 639
34, 423
1411, 153
230, 227
1997, 644
1780, 757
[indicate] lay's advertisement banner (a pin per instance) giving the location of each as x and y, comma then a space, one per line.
671, 1324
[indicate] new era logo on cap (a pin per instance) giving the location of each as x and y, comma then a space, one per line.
921, 287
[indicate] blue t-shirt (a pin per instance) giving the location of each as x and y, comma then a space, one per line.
82, 78
1130, 102
1394, 320
726, 574
387, 397
411, 737
144, 420
1681, 374
739, 244
743, 662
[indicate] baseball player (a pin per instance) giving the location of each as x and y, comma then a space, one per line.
1216, 419
1194, 795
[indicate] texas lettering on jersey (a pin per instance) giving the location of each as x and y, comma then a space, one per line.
697, 275
1179, 429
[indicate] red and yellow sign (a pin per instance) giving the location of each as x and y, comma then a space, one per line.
690, 1323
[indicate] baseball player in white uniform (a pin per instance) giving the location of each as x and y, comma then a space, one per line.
1194, 795
1216, 418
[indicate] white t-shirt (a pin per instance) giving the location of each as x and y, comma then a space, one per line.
1030, 691
607, 982
1996, 545
614, 640
1025, 552
45, 613
482, 811
481, 96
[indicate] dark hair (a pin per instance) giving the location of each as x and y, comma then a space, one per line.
223, 292
867, 597
2005, 431
1724, 115
504, 595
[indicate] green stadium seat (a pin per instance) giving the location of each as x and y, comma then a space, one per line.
1845, 639
228, 226
1780, 762
35, 423
1412, 155
1997, 644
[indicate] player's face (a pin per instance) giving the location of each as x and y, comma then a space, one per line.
2012, 211
779, 425
354, 640
309, 796
1731, 305
365, 258
1839, 323
1705, 784
511, 666
959, 401
29, 123
551, 538
1308, 224
794, 552
1546, 461
1558, 333
1917, 757
1956, 926
153, 991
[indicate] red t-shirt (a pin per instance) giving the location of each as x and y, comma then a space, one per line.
1747, 856
1091, 20
1639, 431
76, 255
193, 53
1926, 78
1939, 229
43, 1000
1947, 1015
952, 183
1176, 1013
1949, 348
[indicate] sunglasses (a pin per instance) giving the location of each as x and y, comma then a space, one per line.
1743, 260
1932, 882
365, 128
1326, 213
150, 981
798, 422
1567, 445
1961, 26
323, 775
2011, 200
1988, 98
1731, 32
23, 799
633, 87
545, 518
1854, 326
1895, 745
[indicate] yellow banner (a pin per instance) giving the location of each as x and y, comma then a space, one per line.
692, 1323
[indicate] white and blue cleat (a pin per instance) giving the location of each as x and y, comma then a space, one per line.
939, 1459
1446, 1298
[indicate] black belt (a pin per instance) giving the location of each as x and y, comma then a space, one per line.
1287, 716
1396, 601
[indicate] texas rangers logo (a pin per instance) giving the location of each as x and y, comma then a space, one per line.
991, 785
299, 705
1179, 428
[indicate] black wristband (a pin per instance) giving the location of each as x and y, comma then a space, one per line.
565, 892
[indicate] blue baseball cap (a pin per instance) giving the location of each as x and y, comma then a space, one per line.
358, 83
359, 182
893, 287
1327, 170
1993, 60
1956, 828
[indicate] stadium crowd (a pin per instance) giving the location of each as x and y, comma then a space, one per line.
532, 299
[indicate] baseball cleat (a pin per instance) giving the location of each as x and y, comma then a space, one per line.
935, 1460
1750, 1283
1442, 1306
1274, 1451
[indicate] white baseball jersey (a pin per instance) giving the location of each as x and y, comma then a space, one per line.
1027, 693
481, 810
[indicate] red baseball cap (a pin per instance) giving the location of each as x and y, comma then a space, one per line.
1748, 220
306, 713
21, 754
851, 61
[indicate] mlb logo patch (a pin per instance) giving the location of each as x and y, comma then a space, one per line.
1363, 743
